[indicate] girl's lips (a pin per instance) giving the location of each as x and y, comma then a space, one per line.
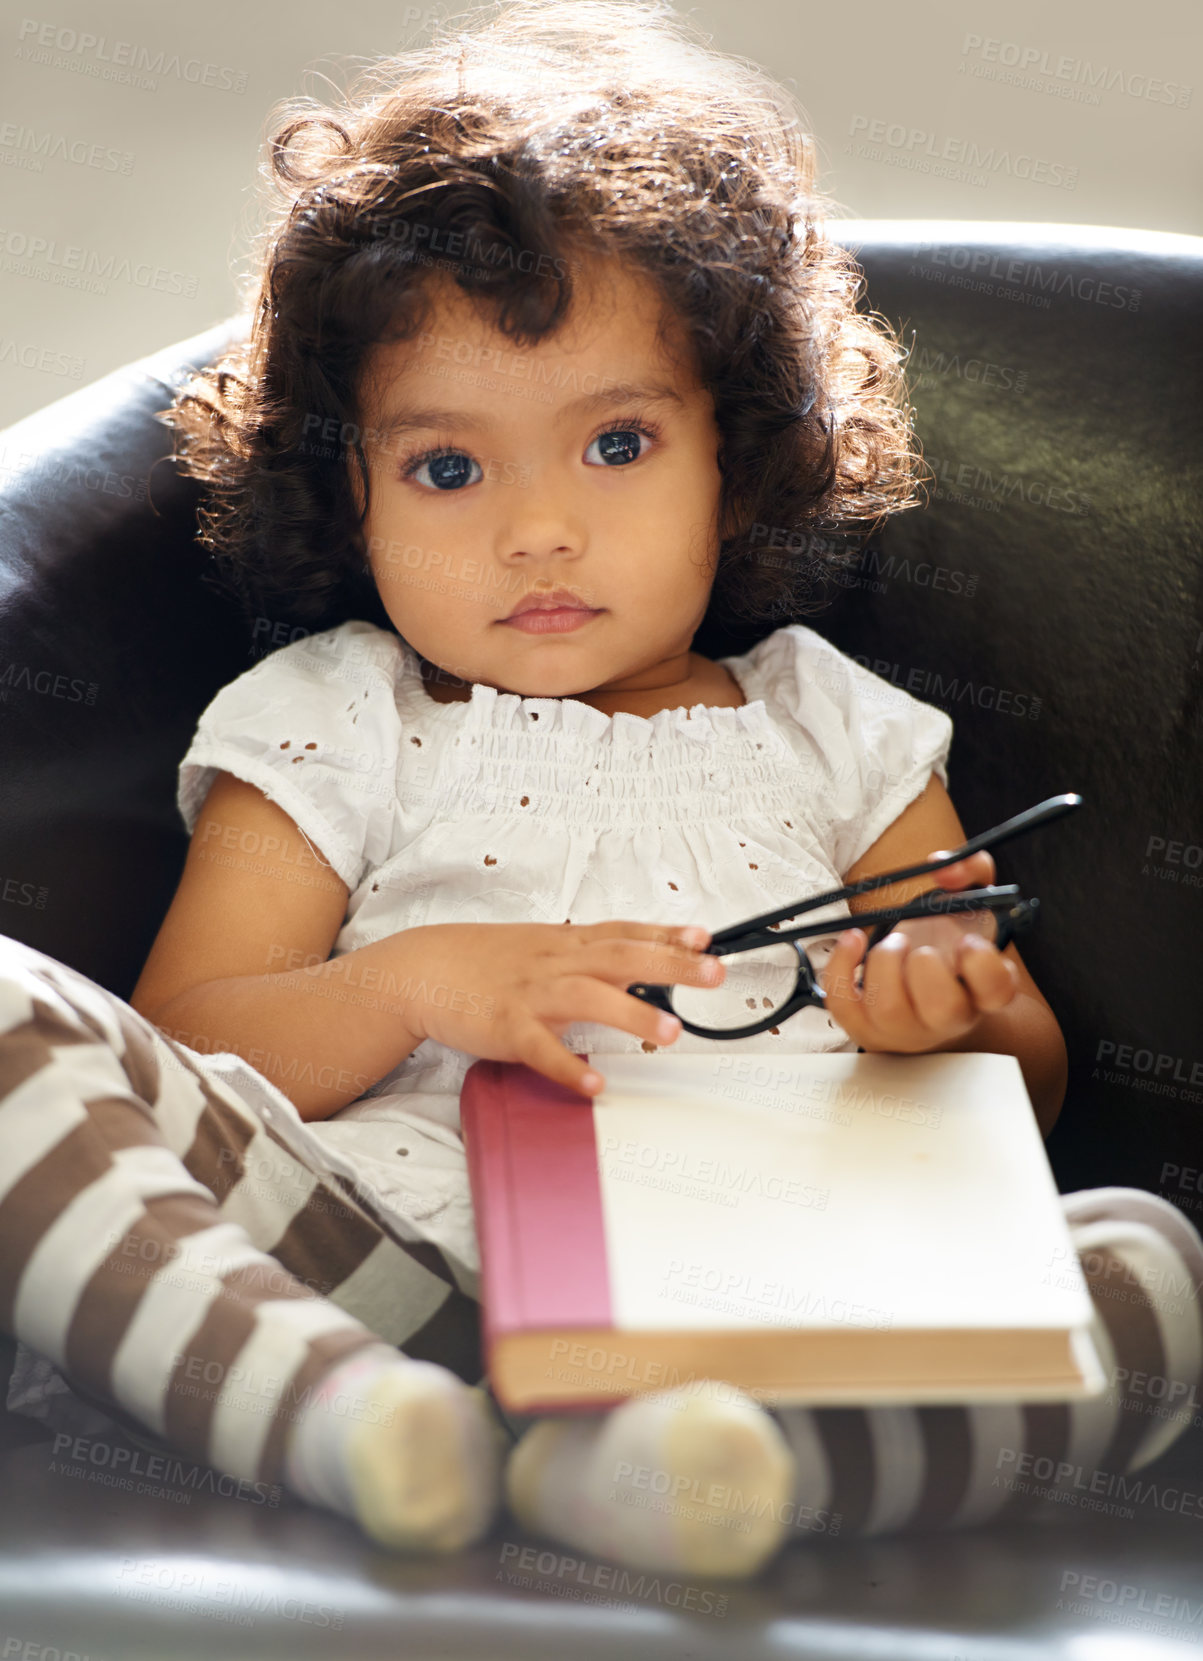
559, 620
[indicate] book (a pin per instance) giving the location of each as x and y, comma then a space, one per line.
831, 1229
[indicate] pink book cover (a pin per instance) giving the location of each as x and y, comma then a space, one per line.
533, 1169
940, 1224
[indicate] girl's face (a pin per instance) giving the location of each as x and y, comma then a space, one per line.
586, 463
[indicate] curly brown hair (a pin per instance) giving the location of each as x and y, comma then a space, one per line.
528, 134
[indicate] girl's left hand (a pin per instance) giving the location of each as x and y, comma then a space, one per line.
916, 997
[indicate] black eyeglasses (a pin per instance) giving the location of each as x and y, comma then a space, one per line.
767, 968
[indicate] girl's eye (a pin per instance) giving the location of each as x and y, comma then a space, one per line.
621, 444
449, 469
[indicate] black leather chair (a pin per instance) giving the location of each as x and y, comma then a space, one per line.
1048, 596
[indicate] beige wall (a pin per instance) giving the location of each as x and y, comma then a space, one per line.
1078, 113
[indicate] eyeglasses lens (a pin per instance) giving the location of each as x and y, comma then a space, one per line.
754, 985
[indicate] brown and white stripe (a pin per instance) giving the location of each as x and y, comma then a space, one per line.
883, 1470
140, 1253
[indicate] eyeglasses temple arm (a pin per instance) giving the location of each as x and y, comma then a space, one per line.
969, 899
1041, 814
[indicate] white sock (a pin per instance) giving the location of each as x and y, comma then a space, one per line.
403, 1446
697, 1478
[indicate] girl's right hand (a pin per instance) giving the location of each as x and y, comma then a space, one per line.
507, 991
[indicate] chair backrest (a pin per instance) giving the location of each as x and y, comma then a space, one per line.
1048, 596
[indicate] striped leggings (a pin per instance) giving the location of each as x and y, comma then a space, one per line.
182, 1298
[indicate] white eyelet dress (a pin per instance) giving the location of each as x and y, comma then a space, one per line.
507, 809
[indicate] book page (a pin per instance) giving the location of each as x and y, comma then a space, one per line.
830, 1190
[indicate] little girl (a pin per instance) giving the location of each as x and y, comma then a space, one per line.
548, 361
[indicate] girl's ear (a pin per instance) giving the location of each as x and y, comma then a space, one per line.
355, 486
731, 523
355, 483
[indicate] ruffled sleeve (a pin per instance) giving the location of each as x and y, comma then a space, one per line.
873, 745
315, 727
